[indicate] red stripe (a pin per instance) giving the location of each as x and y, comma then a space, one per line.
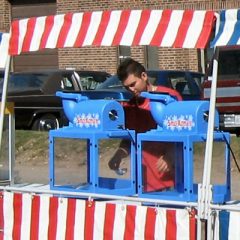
102, 28
162, 27
53, 216
228, 100
223, 84
193, 225
70, 223
109, 221
227, 108
17, 208
171, 226
48, 27
1, 217
14, 41
28, 36
130, 222
150, 223
141, 26
206, 30
35, 218
121, 27
183, 28
83, 30
64, 30
89, 220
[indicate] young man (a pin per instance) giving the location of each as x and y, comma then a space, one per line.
158, 172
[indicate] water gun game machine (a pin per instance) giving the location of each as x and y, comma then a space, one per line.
94, 124
93, 121
181, 124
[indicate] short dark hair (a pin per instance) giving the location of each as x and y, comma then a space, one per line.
129, 66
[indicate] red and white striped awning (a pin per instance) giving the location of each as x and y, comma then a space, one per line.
228, 28
163, 28
25, 216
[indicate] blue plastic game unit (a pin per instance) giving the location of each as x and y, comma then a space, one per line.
181, 125
93, 121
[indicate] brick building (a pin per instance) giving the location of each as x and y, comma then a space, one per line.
104, 58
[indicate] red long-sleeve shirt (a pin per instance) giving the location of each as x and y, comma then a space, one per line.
139, 118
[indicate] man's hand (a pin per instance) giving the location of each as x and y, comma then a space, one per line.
116, 161
162, 165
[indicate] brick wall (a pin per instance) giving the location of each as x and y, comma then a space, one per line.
4, 16
106, 58
89, 58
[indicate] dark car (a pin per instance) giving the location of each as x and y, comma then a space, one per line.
34, 93
187, 83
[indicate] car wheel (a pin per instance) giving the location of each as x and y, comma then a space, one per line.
45, 123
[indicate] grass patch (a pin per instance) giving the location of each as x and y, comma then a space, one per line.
31, 140
36, 143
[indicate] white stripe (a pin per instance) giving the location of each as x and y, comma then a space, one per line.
234, 223
74, 30
172, 29
231, 19
92, 29
22, 32
43, 217
119, 221
37, 33
61, 218
111, 28
182, 222
151, 27
131, 28
4, 49
8, 213
99, 219
140, 221
160, 224
232, 104
217, 23
216, 226
79, 219
26, 216
54, 33
223, 92
194, 29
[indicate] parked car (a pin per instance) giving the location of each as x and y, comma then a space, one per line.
187, 83
36, 105
228, 88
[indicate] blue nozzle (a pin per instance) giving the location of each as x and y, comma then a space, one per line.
73, 96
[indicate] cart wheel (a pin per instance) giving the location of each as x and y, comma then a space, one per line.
45, 123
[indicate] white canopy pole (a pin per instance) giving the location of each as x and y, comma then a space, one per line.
205, 191
4, 96
202, 56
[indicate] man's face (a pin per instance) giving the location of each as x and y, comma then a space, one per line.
135, 84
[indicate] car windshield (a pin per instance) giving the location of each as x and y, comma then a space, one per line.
111, 83
19, 82
114, 83
188, 84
